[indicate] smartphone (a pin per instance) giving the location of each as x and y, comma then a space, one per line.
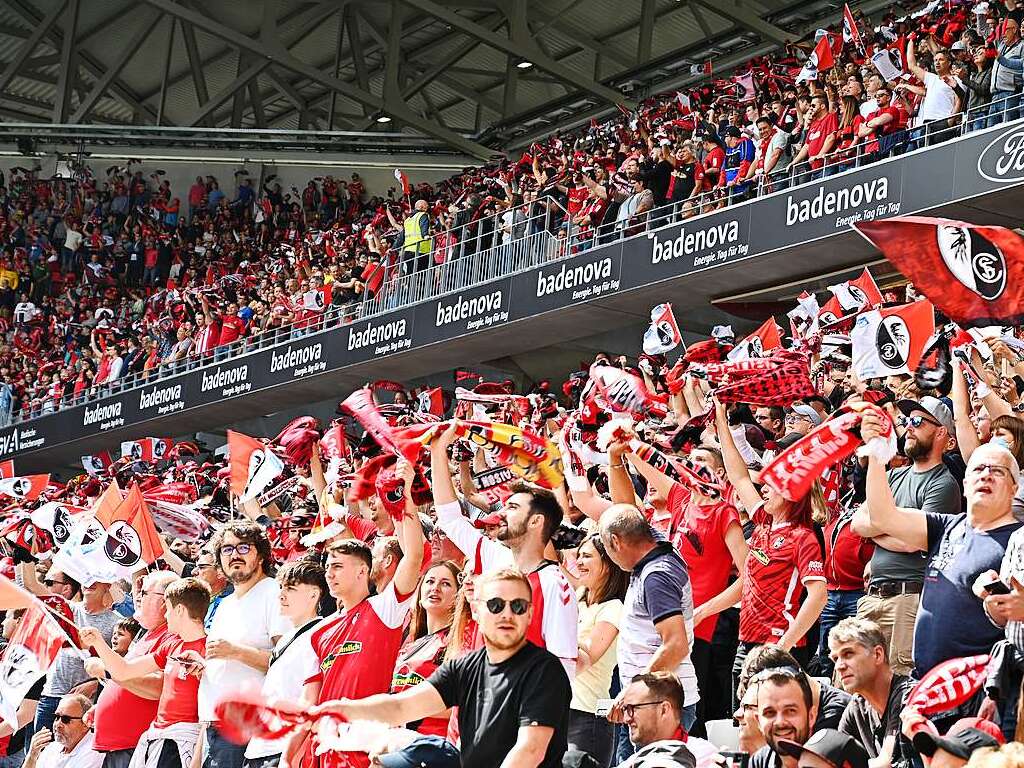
997, 587
604, 706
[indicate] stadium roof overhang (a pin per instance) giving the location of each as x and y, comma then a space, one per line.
476, 76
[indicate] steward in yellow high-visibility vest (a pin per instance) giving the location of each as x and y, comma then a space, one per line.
417, 243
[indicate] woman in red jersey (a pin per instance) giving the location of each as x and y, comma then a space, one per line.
783, 577
427, 641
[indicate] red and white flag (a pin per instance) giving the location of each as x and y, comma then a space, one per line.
431, 401
29, 656
745, 90
890, 342
97, 464
850, 32
858, 294
402, 179
948, 684
685, 105
254, 466
803, 318
7, 468
764, 339
25, 488
820, 60
318, 299
663, 334
147, 449
973, 274
58, 518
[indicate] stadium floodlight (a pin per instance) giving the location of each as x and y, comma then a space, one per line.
524, 64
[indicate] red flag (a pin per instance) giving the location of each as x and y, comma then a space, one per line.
824, 56
402, 179
432, 401
147, 449
948, 684
974, 274
243, 717
855, 295
764, 339
254, 466
26, 488
318, 299
360, 406
131, 538
850, 32
663, 334
32, 651
890, 342
7, 468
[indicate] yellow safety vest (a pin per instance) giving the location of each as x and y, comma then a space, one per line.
414, 241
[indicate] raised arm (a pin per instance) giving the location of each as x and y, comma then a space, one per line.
735, 467
410, 535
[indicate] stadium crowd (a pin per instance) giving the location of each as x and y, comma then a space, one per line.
104, 278
751, 555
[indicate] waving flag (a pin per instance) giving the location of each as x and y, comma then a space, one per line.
431, 401
360, 406
97, 464
973, 274
25, 488
318, 299
32, 651
683, 100
7, 468
58, 518
131, 539
663, 335
147, 449
402, 179
803, 318
254, 466
890, 60
890, 342
764, 339
820, 60
745, 89
850, 32
855, 295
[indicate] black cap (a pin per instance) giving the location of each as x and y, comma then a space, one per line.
837, 748
961, 744
733, 132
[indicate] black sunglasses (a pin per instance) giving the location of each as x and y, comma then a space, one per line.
496, 605
66, 719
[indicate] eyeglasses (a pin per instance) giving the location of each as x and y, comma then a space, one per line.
151, 592
629, 710
916, 421
496, 605
791, 417
242, 549
66, 719
997, 470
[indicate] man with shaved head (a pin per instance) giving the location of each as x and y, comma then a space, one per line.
656, 632
952, 621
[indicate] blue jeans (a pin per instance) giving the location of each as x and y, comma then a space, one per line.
221, 753
45, 711
1004, 107
841, 604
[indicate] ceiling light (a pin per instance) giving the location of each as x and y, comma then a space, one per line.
524, 64
383, 119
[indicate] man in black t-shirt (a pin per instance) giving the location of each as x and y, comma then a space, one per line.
513, 697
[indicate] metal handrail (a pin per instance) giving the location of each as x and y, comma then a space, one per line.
471, 257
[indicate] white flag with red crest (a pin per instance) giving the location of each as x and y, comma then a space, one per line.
764, 339
254, 466
25, 488
890, 342
31, 653
318, 299
663, 334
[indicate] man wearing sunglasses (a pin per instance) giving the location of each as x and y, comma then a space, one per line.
70, 745
924, 487
952, 621
512, 696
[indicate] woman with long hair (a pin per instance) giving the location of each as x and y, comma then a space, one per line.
847, 135
602, 588
784, 555
427, 641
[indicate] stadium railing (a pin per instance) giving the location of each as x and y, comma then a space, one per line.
502, 244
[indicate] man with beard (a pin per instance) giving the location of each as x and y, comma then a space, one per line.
244, 630
531, 517
785, 711
924, 487
71, 743
512, 697
952, 622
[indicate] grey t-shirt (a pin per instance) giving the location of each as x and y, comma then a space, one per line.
935, 490
69, 669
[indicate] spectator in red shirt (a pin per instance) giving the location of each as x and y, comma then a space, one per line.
820, 138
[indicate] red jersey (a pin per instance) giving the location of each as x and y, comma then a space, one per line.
357, 650
179, 697
576, 197
782, 558
417, 662
208, 338
698, 534
846, 555
714, 160
231, 328
817, 133
122, 716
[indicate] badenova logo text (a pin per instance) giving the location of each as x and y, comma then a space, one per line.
300, 360
230, 381
1002, 160
834, 202
467, 309
695, 241
165, 399
385, 337
571, 277
106, 416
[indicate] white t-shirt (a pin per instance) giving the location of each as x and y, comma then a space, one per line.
253, 620
284, 681
72, 240
82, 756
939, 99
